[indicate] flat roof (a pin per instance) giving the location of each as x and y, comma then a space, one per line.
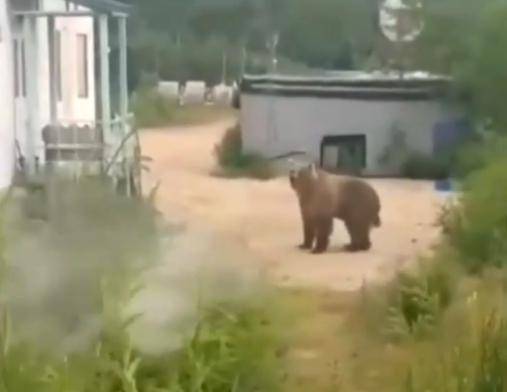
105, 5
350, 85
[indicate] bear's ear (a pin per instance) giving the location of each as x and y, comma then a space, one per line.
313, 171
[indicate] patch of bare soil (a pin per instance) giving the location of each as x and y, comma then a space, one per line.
264, 216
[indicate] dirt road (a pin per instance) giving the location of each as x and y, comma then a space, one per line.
264, 217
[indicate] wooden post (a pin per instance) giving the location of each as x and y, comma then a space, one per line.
243, 60
32, 93
224, 66
399, 43
53, 61
122, 42
124, 102
105, 92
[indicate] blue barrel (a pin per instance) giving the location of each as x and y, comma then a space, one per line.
444, 185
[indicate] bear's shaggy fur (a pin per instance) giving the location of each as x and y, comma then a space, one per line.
323, 197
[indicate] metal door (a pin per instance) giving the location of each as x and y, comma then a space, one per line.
344, 153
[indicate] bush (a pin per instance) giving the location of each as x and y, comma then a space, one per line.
151, 109
423, 167
234, 163
478, 152
479, 227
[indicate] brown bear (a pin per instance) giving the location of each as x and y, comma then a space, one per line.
323, 197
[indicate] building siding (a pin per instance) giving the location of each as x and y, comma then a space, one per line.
6, 99
71, 108
276, 125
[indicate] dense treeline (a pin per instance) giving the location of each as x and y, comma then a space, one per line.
198, 39
184, 39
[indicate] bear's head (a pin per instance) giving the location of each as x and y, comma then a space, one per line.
303, 179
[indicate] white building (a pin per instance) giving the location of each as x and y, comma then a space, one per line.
345, 120
48, 55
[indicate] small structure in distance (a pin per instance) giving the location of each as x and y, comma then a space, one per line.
194, 93
346, 120
169, 90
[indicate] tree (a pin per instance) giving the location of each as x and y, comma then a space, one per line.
467, 39
329, 33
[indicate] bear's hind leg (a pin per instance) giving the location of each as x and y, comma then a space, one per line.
324, 228
309, 234
359, 236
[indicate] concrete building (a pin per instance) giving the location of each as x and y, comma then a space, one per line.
347, 120
49, 52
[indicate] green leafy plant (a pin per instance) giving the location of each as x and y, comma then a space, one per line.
479, 231
411, 306
417, 302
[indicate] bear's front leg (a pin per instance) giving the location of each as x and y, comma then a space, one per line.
324, 228
308, 233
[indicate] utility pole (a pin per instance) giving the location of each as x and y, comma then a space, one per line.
273, 48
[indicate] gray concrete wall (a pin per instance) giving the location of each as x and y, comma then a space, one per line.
274, 126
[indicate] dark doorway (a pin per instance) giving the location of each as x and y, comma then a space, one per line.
343, 154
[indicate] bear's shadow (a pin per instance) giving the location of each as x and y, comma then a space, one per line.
338, 249
333, 249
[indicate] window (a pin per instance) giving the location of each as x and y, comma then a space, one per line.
58, 64
82, 64
346, 153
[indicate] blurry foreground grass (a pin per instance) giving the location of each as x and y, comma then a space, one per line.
66, 323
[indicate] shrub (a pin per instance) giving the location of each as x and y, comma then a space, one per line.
229, 151
235, 163
151, 109
478, 152
479, 227
423, 167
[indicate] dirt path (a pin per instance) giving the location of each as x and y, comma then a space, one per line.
264, 217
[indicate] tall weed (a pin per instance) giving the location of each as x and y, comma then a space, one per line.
470, 355
412, 305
